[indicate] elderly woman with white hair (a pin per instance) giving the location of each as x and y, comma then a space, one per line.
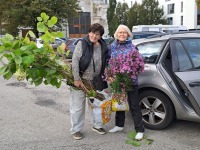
123, 45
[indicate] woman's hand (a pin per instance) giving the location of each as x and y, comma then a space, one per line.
110, 80
78, 83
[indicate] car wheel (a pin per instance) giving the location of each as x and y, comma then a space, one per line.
157, 109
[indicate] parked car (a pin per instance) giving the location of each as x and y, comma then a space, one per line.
56, 43
108, 40
145, 34
39, 43
71, 44
169, 88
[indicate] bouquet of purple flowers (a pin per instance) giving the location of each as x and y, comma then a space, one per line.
124, 69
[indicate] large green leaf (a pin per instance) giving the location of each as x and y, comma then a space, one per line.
2, 49
28, 59
3, 70
39, 50
133, 142
41, 27
31, 33
58, 84
44, 16
23, 48
13, 67
18, 59
8, 75
52, 21
67, 53
131, 135
41, 72
50, 70
39, 18
50, 24
58, 34
54, 81
38, 81
9, 37
8, 56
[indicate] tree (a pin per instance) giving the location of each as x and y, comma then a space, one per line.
133, 15
22, 13
198, 4
150, 13
122, 13
111, 17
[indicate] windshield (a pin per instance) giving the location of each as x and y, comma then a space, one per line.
150, 51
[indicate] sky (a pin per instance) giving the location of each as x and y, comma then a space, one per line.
129, 1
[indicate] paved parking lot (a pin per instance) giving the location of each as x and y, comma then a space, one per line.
37, 118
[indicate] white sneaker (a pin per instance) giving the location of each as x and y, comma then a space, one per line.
139, 136
116, 129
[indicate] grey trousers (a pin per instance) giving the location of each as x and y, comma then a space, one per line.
77, 111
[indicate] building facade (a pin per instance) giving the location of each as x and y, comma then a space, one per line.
181, 12
93, 11
177, 12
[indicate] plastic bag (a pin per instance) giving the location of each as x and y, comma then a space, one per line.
101, 109
119, 102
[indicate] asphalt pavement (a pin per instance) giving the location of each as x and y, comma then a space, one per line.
38, 118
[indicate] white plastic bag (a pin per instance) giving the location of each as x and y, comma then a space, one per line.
101, 109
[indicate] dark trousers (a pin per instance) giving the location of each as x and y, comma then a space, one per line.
135, 111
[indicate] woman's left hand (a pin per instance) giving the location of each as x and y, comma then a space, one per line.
110, 80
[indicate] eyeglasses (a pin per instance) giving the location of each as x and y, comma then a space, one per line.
123, 32
95, 33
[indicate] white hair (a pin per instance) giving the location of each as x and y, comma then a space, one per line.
126, 28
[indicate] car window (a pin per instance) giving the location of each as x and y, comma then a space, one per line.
139, 36
193, 48
188, 54
150, 51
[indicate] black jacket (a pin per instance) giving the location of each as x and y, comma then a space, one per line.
87, 54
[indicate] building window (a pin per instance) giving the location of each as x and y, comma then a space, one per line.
181, 20
181, 6
170, 8
198, 19
170, 21
80, 25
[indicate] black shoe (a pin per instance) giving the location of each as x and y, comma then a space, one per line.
100, 130
77, 136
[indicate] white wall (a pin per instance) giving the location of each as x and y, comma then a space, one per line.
189, 12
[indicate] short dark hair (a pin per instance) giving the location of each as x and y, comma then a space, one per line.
96, 27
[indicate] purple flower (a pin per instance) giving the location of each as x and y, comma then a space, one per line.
124, 68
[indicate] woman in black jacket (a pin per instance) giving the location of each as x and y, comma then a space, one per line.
88, 62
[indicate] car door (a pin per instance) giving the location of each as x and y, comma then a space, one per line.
186, 66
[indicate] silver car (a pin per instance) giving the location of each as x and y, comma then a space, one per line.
169, 88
